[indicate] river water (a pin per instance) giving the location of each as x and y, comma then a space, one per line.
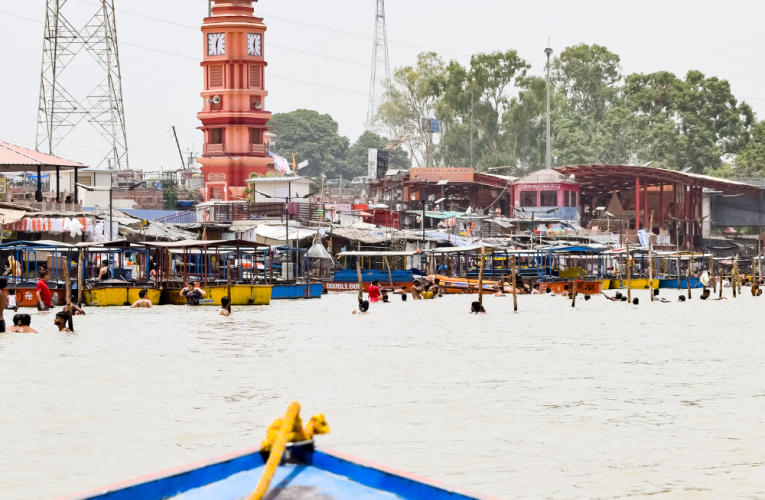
607, 400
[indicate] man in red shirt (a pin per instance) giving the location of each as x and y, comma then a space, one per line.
374, 291
43, 292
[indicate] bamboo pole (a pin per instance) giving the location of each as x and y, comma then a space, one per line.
688, 280
573, 294
759, 259
733, 277
390, 274
738, 277
515, 296
275, 458
712, 274
650, 259
480, 277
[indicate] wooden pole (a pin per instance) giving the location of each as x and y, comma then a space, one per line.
80, 272
390, 274
650, 258
480, 277
361, 281
688, 280
733, 277
573, 295
712, 273
228, 279
629, 270
759, 259
68, 283
721, 280
515, 296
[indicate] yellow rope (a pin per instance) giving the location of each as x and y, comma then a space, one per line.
275, 458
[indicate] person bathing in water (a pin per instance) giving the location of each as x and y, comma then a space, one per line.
363, 307
21, 324
374, 291
61, 320
193, 294
224, 302
142, 301
477, 308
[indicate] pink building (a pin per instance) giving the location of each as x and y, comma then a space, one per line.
544, 191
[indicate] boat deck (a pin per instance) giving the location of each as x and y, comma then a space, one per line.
291, 482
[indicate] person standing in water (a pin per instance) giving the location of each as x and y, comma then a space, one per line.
193, 294
374, 291
21, 324
417, 290
142, 300
224, 302
43, 292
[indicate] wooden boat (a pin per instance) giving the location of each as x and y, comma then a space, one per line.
241, 295
305, 473
117, 296
636, 283
560, 266
669, 282
296, 291
377, 268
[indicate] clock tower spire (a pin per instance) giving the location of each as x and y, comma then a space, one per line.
234, 117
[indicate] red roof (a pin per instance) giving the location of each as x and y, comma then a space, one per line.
15, 158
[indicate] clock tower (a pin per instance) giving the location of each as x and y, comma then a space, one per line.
233, 115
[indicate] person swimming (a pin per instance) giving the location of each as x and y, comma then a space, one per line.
477, 308
363, 307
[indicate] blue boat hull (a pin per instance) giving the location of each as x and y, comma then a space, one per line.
323, 473
672, 283
297, 291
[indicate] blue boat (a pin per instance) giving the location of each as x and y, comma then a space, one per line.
304, 473
297, 291
672, 283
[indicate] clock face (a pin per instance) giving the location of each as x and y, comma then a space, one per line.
216, 44
254, 44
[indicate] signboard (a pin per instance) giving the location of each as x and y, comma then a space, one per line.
438, 174
382, 164
372, 169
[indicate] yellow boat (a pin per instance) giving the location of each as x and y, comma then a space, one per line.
635, 284
241, 295
118, 296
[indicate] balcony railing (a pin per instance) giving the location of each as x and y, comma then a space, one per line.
258, 149
215, 150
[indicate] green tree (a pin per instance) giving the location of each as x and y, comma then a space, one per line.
358, 155
750, 162
410, 96
310, 136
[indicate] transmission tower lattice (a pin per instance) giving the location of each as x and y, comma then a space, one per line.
59, 111
380, 64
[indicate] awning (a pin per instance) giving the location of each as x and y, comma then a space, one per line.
377, 254
8, 216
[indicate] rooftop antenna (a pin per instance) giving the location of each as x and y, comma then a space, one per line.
59, 112
380, 64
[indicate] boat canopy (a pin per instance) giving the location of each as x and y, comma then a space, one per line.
377, 254
470, 248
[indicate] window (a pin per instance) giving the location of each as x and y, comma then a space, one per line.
216, 193
255, 76
528, 198
255, 136
570, 198
548, 198
216, 136
216, 76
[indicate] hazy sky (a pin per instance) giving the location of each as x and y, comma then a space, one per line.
319, 54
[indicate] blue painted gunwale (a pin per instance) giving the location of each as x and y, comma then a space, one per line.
167, 484
297, 291
672, 283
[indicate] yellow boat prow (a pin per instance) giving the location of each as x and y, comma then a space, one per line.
117, 296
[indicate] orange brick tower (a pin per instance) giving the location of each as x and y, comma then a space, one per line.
234, 117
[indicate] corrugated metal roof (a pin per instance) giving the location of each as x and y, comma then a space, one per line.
16, 157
